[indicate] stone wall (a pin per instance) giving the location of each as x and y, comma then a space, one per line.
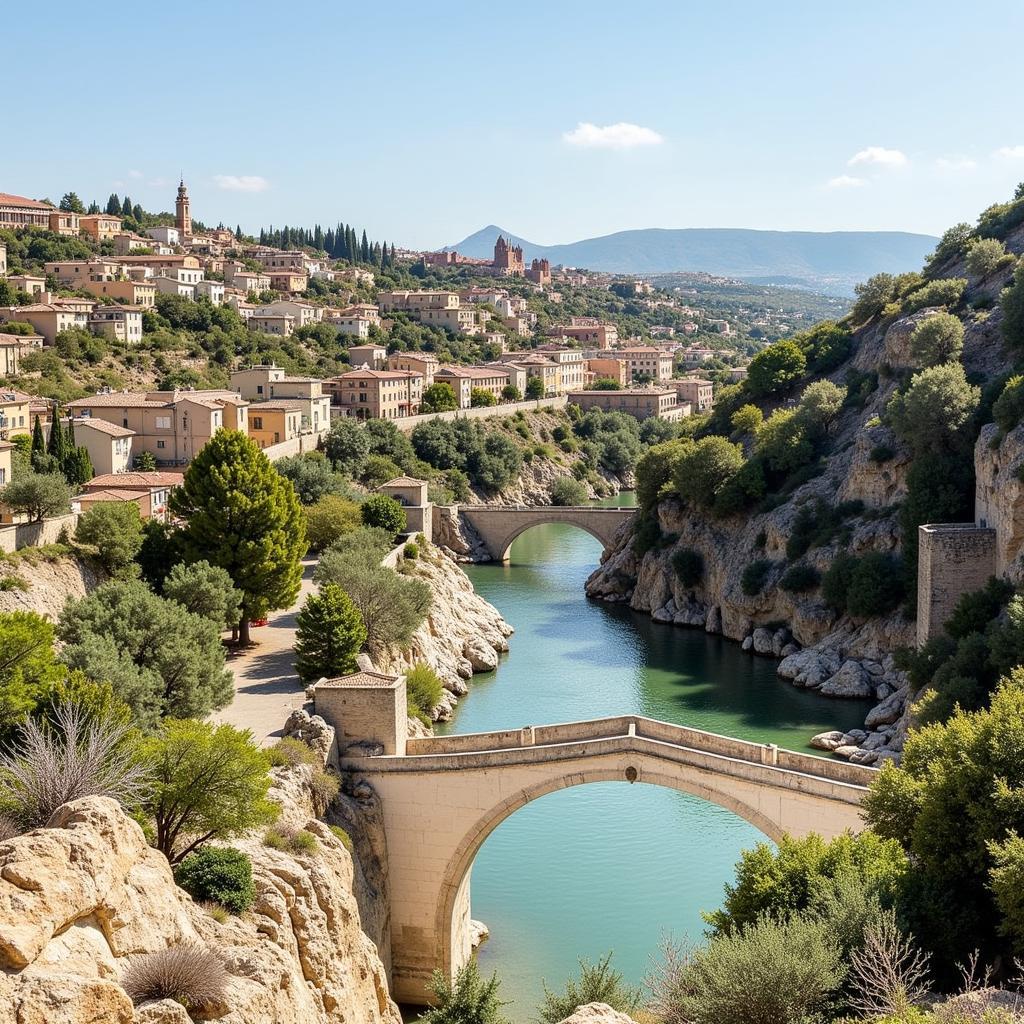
953, 559
483, 412
26, 535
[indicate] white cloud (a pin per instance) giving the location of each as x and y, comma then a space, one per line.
1010, 153
879, 155
956, 163
135, 174
612, 136
845, 181
241, 182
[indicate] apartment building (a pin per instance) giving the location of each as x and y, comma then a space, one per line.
646, 362
246, 280
173, 286
441, 309
15, 413
639, 402
276, 420
30, 284
261, 384
64, 222
14, 348
109, 444
119, 323
425, 364
18, 212
172, 425
47, 320
588, 331
281, 324
376, 394
373, 356
608, 368
698, 392
100, 227
75, 273
571, 362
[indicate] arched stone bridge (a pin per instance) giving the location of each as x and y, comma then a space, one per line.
499, 525
445, 795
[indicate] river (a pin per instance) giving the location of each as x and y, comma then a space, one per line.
610, 866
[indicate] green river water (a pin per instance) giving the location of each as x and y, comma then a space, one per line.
610, 866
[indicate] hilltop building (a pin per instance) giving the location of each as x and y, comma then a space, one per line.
183, 211
508, 258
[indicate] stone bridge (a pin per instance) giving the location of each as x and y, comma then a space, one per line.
499, 525
444, 796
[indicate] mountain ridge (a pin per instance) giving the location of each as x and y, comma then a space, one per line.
830, 260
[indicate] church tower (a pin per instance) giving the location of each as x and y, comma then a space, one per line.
182, 213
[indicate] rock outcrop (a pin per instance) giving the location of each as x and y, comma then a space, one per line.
43, 585
999, 494
81, 896
597, 1013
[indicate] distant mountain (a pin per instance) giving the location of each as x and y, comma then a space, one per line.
831, 261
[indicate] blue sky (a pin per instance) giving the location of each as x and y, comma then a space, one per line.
556, 120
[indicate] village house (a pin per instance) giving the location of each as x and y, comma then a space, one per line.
290, 281
413, 495
588, 331
639, 402
165, 234
149, 491
47, 320
172, 286
646, 362
351, 326
100, 227
699, 393
609, 369
516, 376
6, 462
30, 284
376, 394
265, 383
281, 324
15, 416
119, 323
125, 243
571, 362
19, 212
64, 222
248, 281
172, 425
135, 293
373, 356
363, 310
549, 372
303, 313
423, 363
212, 290
14, 348
109, 444
276, 420
441, 309
276, 259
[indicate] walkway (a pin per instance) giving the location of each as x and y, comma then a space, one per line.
267, 689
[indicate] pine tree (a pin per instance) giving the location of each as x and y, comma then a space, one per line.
94, 207
114, 205
38, 440
329, 634
70, 202
242, 515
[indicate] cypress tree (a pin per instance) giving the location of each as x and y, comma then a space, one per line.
238, 231
38, 441
78, 467
126, 207
114, 205
137, 212
55, 446
364, 248
330, 632
243, 516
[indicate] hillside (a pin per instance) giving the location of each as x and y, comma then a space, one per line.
831, 261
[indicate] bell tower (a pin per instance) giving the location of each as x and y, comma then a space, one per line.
182, 212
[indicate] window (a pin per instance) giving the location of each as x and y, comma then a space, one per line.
161, 444
162, 423
257, 423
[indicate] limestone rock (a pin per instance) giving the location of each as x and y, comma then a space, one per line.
828, 740
762, 641
850, 681
60, 998
166, 1011
809, 667
888, 711
311, 730
713, 623
846, 750
480, 654
597, 1013
478, 933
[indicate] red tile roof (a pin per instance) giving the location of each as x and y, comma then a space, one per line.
6, 199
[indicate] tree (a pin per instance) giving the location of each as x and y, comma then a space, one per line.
535, 388
38, 440
746, 419
820, 403
37, 495
938, 339
330, 518
56, 445
510, 393
495, 463
598, 983
469, 1000
159, 658
1012, 303
438, 397
347, 445
384, 512
984, 255
950, 803
329, 634
567, 490
28, 665
159, 552
873, 295
932, 415
208, 782
311, 476
78, 466
654, 470
113, 207
378, 470
481, 397
443, 443
703, 468
243, 516
204, 590
775, 368
144, 462
71, 203
114, 528
605, 384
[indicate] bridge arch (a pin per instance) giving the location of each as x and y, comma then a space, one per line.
526, 527
453, 908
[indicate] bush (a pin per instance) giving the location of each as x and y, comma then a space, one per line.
378, 470
1008, 408
943, 292
646, 534
347, 446
424, 691
341, 834
702, 468
598, 983
1012, 304
411, 551
985, 255
746, 419
297, 841
469, 999
114, 528
775, 369
876, 585
974, 611
329, 633
742, 490
482, 397
689, 566
933, 414
873, 295
311, 475
835, 584
330, 518
219, 874
383, 512
290, 751
37, 495
189, 973
938, 339
754, 576
568, 491
654, 471
771, 972
800, 578
783, 442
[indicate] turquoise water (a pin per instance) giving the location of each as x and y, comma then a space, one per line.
609, 866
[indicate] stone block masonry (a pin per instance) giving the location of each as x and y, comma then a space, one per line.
953, 559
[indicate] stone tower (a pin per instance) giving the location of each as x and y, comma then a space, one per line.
182, 213
508, 259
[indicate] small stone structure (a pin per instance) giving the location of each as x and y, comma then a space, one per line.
953, 559
365, 708
499, 525
411, 494
443, 799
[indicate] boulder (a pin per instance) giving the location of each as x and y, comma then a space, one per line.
846, 750
597, 1013
850, 681
762, 641
311, 730
480, 654
809, 667
61, 998
828, 740
863, 757
888, 711
166, 1011
854, 737
748, 643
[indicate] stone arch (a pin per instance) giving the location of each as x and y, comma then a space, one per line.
506, 543
651, 773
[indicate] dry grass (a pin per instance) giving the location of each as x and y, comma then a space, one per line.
190, 974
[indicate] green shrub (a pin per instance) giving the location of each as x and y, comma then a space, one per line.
799, 578
384, 512
974, 611
304, 842
746, 419
289, 751
329, 519
598, 983
943, 292
219, 874
411, 551
743, 489
568, 491
881, 453
689, 566
704, 467
469, 999
654, 471
755, 576
935, 411
114, 528
297, 841
835, 584
775, 368
646, 534
323, 787
1012, 304
1008, 409
346, 839
985, 255
424, 690
329, 634
876, 585
938, 339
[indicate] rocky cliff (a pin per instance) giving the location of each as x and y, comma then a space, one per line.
83, 896
38, 581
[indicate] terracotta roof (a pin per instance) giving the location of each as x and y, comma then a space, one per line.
136, 481
15, 339
403, 481
377, 679
377, 374
287, 404
8, 395
6, 199
103, 426
118, 400
110, 494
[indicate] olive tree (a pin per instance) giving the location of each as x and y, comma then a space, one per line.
938, 339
